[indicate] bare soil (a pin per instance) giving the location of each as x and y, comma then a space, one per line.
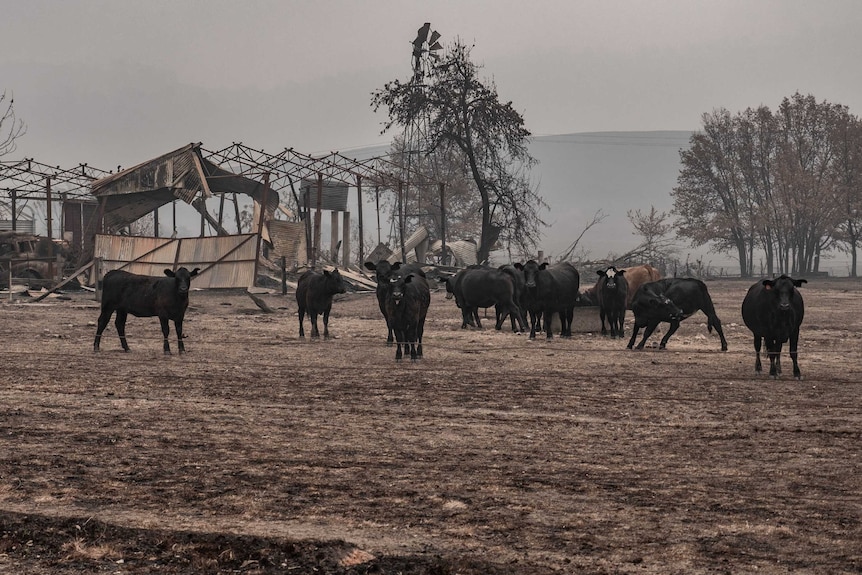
257, 452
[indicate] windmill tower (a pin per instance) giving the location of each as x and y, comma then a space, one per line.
425, 53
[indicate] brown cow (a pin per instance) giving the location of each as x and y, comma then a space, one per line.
637, 276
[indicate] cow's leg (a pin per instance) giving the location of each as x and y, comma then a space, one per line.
567, 323
773, 350
602, 314
120, 323
326, 324
104, 318
178, 327
648, 331
301, 318
399, 339
166, 331
547, 322
534, 318
635, 329
420, 331
758, 367
778, 346
312, 317
794, 342
716, 323
674, 325
474, 312
411, 336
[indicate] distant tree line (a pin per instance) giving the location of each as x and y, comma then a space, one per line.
785, 187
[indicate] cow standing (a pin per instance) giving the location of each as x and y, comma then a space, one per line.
483, 287
672, 300
773, 311
383, 272
407, 301
520, 286
314, 293
611, 292
550, 289
145, 296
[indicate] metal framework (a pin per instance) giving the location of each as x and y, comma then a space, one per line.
286, 169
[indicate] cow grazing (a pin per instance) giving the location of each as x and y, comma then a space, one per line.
672, 300
145, 296
383, 272
550, 289
773, 310
483, 287
407, 301
637, 276
611, 292
314, 292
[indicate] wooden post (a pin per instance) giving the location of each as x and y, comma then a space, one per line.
361, 230
317, 220
156, 222
445, 259
49, 220
14, 199
401, 221
283, 275
260, 226
97, 274
333, 236
345, 240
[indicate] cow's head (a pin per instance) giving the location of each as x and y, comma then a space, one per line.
183, 277
659, 306
382, 270
531, 270
610, 276
397, 283
782, 288
333, 282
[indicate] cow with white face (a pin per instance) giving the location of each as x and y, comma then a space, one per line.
611, 293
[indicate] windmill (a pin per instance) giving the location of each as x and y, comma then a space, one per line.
424, 55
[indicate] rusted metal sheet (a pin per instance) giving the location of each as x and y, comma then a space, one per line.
225, 261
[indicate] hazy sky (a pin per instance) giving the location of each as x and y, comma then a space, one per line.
118, 82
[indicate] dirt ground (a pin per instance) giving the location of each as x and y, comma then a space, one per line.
256, 452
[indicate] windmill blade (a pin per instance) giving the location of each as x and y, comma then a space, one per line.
436, 46
435, 35
422, 35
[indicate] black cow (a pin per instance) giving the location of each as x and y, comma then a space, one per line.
314, 292
672, 300
145, 296
520, 285
773, 310
407, 301
550, 289
483, 287
611, 292
383, 271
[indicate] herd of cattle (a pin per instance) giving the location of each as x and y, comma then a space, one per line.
528, 294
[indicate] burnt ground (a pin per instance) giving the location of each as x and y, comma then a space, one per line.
256, 452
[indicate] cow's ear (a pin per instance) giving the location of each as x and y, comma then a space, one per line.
798, 283
396, 266
170, 273
543, 266
326, 273
767, 284
519, 266
195, 272
370, 266
408, 279
600, 273
620, 272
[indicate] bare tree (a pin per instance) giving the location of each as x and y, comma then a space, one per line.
465, 113
654, 228
847, 181
11, 127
